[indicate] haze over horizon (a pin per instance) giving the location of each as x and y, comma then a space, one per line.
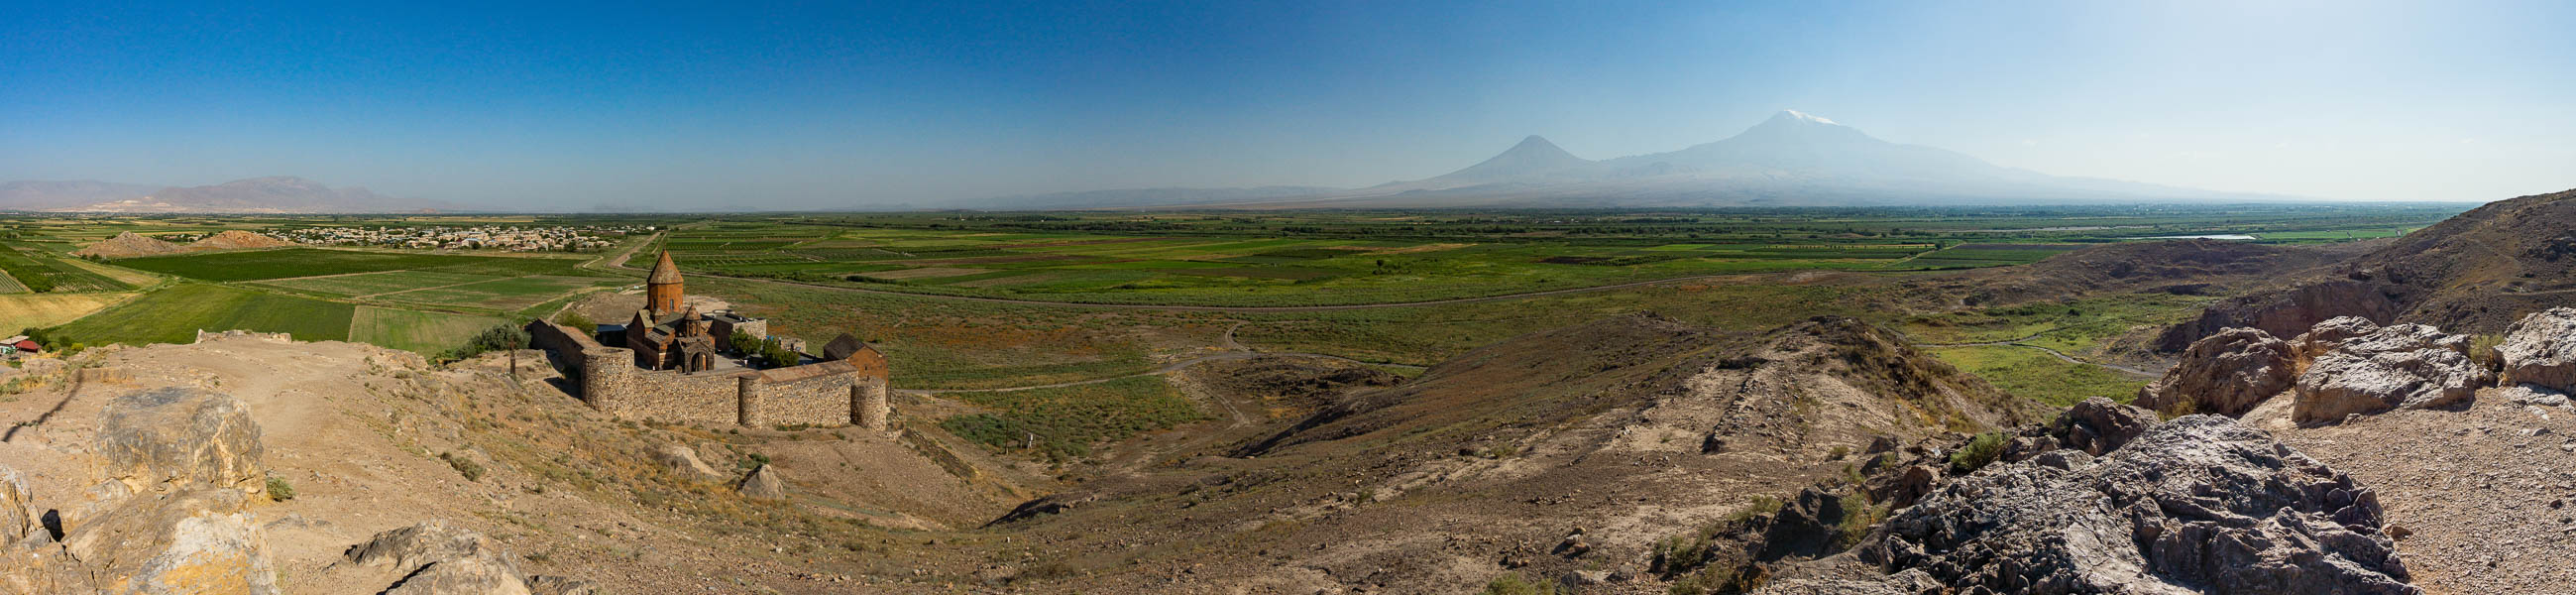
687, 107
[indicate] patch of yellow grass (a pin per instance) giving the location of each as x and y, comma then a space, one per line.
20, 311
120, 274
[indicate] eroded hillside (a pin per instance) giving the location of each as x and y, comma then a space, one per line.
1559, 453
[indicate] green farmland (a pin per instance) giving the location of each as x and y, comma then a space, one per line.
175, 314
1338, 258
311, 262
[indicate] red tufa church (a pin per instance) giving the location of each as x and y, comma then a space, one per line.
671, 368
669, 336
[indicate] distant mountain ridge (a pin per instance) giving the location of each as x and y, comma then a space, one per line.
275, 194
1791, 159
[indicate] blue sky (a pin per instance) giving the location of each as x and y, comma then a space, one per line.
850, 105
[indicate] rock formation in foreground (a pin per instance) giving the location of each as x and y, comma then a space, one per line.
2540, 350
2226, 374
179, 471
2202, 503
2403, 366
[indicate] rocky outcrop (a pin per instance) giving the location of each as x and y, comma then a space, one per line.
170, 513
2226, 374
201, 540
2098, 425
763, 483
2326, 335
2199, 504
437, 558
2540, 350
18, 516
683, 462
2404, 366
175, 438
2286, 313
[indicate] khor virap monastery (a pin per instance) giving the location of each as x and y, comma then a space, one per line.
672, 364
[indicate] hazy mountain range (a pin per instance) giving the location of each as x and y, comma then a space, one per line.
278, 194
1792, 159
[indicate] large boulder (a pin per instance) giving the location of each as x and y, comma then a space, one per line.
438, 558
763, 483
683, 462
2326, 335
462, 576
2401, 366
2226, 374
2098, 425
174, 438
2199, 504
2540, 350
198, 540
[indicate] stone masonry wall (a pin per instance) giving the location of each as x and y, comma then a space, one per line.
675, 397
818, 394
816, 397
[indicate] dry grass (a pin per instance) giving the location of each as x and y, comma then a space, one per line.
20, 311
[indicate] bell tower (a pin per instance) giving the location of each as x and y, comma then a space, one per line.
662, 287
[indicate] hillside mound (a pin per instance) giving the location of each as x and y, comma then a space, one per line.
2473, 273
127, 245
324, 460
1551, 453
235, 239
2189, 267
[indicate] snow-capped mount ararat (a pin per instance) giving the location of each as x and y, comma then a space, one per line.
275, 194
1791, 159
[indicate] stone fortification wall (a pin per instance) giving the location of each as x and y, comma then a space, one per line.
675, 397
562, 344
821, 394
811, 394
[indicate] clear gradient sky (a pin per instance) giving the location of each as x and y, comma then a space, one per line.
705, 105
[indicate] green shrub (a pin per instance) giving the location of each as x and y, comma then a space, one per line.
1978, 453
573, 318
1859, 515
471, 470
278, 490
504, 336
2482, 349
1512, 583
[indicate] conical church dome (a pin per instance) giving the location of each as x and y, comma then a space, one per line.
664, 271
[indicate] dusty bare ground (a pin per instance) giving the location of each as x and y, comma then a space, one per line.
1486, 465
357, 431
2484, 491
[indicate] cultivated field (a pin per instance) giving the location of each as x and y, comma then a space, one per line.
174, 315
308, 262
22, 311
1236, 259
424, 332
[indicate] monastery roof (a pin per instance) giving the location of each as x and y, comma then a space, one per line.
663, 270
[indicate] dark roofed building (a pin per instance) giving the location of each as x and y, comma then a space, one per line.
865, 357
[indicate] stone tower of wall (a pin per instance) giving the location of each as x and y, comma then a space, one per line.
604, 372
869, 403
747, 403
